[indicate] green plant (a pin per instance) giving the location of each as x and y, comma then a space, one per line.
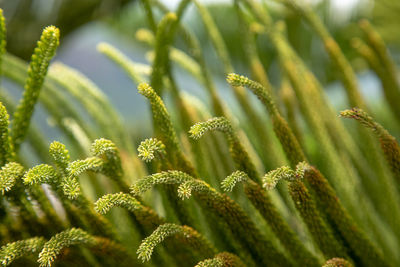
322, 201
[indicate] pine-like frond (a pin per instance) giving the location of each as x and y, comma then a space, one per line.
144, 215
389, 145
9, 174
60, 156
18, 249
6, 148
75, 236
151, 148
236, 177
224, 259
337, 262
41, 174
225, 208
239, 154
186, 235
164, 129
41, 57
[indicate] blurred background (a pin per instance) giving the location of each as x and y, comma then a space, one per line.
85, 23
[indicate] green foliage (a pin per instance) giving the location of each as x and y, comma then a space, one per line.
222, 259
41, 57
145, 215
389, 145
6, 150
271, 179
229, 182
74, 236
18, 249
327, 194
190, 237
337, 262
9, 174
151, 148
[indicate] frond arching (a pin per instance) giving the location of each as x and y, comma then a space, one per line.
151, 148
58, 242
236, 177
144, 214
187, 234
18, 249
41, 174
218, 123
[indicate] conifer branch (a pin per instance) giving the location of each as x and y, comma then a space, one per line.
186, 234
75, 236
263, 203
46, 174
295, 156
305, 204
9, 174
281, 128
60, 156
272, 178
389, 145
320, 231
77, 167
18, 249
161, 116
144, 215
150, 149
337, 262
224, 207
6, 148
366, 120
164, 129
60, 241
224, 259
42, 174
41, 57
230, 181
238, 152
260, 91
359, 243
109, 153
219, 123
292, 148
332, 230
319, 114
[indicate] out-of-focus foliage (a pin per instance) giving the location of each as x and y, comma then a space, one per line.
25, 18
